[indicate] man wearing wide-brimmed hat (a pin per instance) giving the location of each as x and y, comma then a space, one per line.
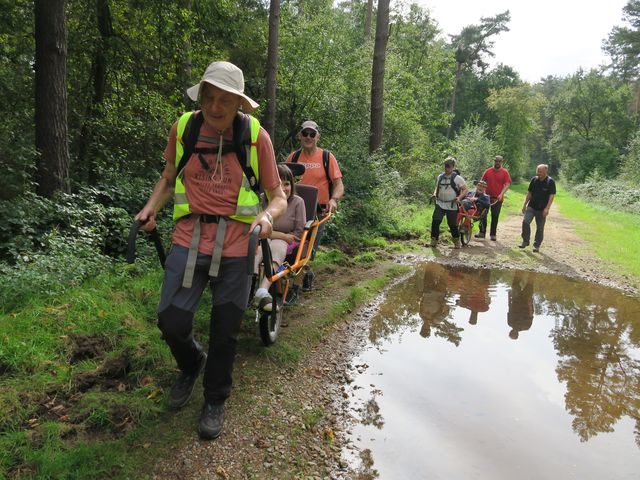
217, 158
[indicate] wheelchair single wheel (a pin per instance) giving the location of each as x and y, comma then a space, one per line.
465, 228
270, 322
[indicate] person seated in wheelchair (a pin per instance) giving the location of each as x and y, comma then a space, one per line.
285, 238
476, 202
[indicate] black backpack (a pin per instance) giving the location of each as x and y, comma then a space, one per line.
325, 163
241, 145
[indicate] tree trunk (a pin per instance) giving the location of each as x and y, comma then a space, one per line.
185, 68
377, 77
88, 171
51, 96
367, 20
272, 67
453, 98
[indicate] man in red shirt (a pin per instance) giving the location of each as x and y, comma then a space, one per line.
328, 182
498, 182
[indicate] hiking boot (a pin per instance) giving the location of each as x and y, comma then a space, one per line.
479, 235
307, 281
456, 243
211, 421
523, 245
536, 248
182, 389
434, 242
493, 238
292, 295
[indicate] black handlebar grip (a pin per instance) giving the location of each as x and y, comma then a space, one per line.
253, 244
131, 243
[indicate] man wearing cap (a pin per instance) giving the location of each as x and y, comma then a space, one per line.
498, 182
215, 159
450, 190
327, 179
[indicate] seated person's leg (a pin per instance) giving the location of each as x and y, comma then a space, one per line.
262, 297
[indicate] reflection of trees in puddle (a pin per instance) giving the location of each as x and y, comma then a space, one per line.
366, 470
596, 334
602, 378
371, 413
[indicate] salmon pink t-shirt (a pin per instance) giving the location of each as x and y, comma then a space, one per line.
314, 173
214, 190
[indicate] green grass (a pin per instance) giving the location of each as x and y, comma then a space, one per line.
613, 235
52, 427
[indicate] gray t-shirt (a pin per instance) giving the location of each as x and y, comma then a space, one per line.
446, 194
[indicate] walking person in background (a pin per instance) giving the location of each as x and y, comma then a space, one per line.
450, 190
540, 195
498, 182
321, 171
216, 160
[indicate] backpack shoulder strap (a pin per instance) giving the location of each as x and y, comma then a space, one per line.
452, 180
241, 145
190, 138
296, 156
325, 162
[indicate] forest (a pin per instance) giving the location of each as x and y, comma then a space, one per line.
90, 88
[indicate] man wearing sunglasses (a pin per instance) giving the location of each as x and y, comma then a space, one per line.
321, 171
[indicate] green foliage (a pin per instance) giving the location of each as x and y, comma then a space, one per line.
623, 43
517, 109
590, 118
594, 158
630, 170
474, 151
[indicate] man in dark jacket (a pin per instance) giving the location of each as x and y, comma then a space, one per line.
540, 195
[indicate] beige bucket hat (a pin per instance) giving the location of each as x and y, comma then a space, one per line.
227, 77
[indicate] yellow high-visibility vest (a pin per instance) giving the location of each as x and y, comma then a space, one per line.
248, 203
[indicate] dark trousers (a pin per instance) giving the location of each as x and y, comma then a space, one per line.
529, 215
438, 214
495, 214
176, 312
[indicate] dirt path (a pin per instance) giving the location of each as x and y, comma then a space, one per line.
292, 422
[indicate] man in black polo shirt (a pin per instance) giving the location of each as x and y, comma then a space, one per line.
537, 203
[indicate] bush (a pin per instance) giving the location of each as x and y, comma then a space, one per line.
615, 193
474, 152
66, 261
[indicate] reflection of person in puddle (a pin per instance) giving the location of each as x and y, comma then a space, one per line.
433, 303
474, 292
520, 314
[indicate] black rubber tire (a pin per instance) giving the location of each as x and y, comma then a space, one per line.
270, 322
465, 229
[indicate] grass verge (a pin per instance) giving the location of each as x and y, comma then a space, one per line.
83, 375
613, 235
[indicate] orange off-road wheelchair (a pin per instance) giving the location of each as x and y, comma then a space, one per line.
281, 276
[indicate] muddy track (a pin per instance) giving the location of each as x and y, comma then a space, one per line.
295, 425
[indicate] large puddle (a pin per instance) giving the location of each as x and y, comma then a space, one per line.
484, 374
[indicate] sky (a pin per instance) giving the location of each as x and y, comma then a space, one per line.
546, 37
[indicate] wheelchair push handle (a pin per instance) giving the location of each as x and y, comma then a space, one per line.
266, 252
131, 242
